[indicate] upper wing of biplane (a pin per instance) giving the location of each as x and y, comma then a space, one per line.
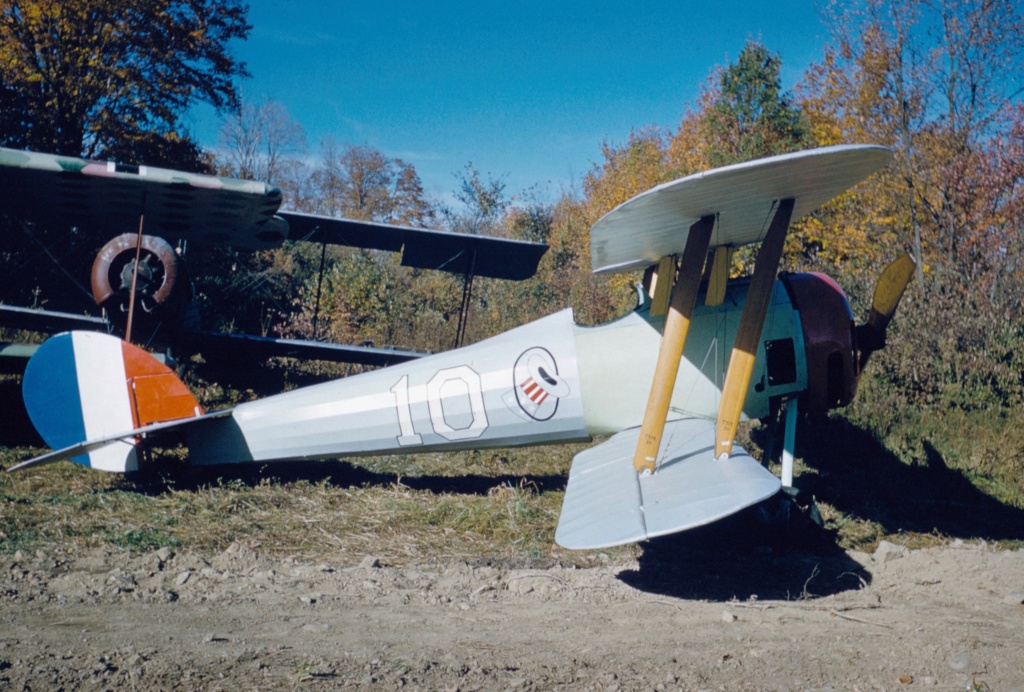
742, 198
105, 199
108, 198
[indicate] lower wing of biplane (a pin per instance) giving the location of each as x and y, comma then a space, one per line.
669, 402
148, 216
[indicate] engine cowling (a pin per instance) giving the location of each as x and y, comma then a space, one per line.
162, 288
830, 340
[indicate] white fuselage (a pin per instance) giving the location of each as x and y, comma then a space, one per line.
544, 382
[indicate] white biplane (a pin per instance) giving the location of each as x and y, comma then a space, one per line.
657, 381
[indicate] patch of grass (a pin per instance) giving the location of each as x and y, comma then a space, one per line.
145, 538
869, 482
985, 443
25, 540
506, 508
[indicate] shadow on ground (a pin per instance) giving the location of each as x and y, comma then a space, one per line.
769, 551
15, 427
335, 473
854, 473
746, 556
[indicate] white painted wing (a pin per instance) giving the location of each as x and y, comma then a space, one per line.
655, 224
607, 503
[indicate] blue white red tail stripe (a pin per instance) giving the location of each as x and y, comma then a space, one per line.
83, 386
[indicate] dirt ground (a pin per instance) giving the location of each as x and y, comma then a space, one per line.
683, 615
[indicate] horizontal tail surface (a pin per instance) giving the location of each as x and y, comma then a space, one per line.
608, 503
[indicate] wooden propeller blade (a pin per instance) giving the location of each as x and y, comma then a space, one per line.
677, 324
744, 350
889, 290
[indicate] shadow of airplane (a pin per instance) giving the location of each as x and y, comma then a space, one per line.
16, 430
746, 557
857, 475
335, 473
751, 555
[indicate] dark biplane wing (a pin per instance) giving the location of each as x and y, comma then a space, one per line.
229, 346
35, 320
459, 253
13, 356
260, 347
104, 199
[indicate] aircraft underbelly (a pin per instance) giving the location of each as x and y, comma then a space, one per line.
517, 388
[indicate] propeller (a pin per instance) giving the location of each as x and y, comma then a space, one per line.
889, 290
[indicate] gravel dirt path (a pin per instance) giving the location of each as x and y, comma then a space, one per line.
945, 618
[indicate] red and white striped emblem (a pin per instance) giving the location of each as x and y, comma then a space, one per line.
534, 391
538, 386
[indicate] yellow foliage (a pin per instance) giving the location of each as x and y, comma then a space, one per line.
628, 170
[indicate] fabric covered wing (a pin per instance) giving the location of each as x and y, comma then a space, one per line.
106, 198
458, 253
655, 223
607, 503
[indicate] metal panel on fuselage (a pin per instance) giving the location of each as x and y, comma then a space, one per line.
517, 388
616, 362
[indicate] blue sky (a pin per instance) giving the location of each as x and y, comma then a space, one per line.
527, 91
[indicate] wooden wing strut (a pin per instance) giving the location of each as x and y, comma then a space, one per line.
744, 349
677, 324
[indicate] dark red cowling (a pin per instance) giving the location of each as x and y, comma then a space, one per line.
829, 338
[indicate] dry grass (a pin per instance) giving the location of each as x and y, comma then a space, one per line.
481, 506
431, 511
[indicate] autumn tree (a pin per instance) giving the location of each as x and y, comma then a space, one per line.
938, 82
100, 77
361, 182
482, 203
348, 294
749, 116
627, 170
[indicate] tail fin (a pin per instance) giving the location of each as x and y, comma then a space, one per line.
82, 386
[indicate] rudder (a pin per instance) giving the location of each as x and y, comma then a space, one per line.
83, 385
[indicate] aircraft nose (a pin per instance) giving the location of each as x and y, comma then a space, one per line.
828, 328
